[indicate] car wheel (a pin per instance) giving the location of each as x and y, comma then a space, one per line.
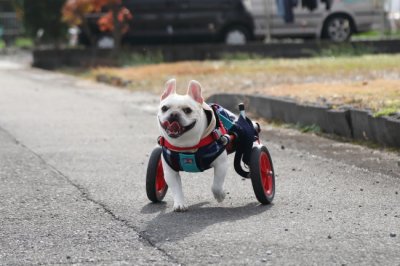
105, 42
338, 29
236, 36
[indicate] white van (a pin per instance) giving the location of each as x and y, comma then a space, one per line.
336, 20
392, 7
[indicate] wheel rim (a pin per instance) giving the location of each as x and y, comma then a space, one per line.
235, 37
266, 175
339, 29
161, 185
105, 42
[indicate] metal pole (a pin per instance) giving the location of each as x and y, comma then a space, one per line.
382, 5
267, 13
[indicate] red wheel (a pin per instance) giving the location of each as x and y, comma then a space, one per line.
156, 187
262, 174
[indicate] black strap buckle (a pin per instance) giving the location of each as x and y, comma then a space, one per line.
160, 141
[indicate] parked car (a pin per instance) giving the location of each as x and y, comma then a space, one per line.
335, 20
392, 8
167, 21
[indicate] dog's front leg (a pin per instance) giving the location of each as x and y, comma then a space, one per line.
174, 182
220, 169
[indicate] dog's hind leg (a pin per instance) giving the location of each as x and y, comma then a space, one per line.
220, 169
174, 182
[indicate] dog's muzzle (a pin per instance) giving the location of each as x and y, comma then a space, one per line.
174, 129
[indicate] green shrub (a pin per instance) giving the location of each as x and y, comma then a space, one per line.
308, 128
24, 42
344, 50
135, 59
240, 56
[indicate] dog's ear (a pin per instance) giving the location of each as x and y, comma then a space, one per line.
194, 91
170, 88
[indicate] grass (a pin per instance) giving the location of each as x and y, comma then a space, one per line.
23, 42
390, 108
345, 50
387, 111
134, 59
20, 42
309, 128
373, 34
240, 56
366, 81
331, 66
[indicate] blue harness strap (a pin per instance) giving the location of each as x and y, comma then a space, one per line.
226, 117
198, 161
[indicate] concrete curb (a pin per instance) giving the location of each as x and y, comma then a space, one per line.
383, 130
53, 58
350, 123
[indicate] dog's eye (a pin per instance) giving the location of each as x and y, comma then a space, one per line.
187, 110
164, 108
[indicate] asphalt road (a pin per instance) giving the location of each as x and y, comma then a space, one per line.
73, 157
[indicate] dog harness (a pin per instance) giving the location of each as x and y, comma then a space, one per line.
205, 152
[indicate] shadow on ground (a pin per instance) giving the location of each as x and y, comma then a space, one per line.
171, 226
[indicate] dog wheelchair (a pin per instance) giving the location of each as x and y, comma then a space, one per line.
235, 134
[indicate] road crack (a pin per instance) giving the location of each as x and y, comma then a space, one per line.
86, 195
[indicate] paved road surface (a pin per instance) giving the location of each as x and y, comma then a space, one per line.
73, 156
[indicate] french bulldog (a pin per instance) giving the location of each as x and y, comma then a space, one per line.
183, 123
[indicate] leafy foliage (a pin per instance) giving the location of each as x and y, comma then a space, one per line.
74, 11
106, 22
115, 20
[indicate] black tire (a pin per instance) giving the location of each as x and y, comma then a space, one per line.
105, 41
243, 35
262, 174
156, 187
338, 28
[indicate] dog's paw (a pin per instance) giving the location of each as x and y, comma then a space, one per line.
219, 194
180, 207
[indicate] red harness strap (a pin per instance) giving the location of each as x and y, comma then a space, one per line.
203, 142
216, 134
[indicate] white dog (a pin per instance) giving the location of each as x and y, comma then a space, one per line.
185, 121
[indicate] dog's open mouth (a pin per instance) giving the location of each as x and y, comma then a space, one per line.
174, 129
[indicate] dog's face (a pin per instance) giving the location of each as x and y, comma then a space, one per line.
181, 118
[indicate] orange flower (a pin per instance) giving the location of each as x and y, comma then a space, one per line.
106, 22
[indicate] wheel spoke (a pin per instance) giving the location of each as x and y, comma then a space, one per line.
339, 29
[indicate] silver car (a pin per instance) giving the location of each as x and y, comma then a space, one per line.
335, 20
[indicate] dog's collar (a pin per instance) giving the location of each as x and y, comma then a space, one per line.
203, 142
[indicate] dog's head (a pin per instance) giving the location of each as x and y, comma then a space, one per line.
181, 117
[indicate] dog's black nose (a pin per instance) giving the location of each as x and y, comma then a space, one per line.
174, 116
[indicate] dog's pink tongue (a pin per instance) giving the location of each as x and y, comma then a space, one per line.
175, 127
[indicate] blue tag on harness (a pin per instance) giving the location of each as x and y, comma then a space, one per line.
188, 162
225, 121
